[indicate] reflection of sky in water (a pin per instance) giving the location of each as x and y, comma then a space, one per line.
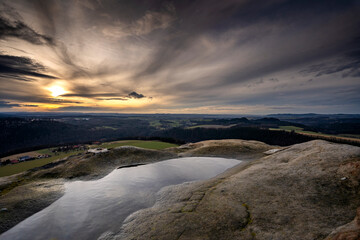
90, 208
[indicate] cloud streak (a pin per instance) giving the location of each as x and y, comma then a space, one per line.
18, 29
5, 104
21, 66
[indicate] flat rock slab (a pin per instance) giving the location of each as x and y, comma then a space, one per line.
296, 193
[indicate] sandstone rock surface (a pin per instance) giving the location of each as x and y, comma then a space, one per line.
305, 191
302, 192
350, 231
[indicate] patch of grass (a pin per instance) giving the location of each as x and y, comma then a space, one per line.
155, 124
290, 128
299, 130
46, 151
23, 166
175, 123
249, 219
138, 143
11, 186
197, 126
105, 127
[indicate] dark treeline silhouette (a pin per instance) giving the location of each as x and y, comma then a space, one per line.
332, 124
281, 138
156, 138
19, 135
28, 134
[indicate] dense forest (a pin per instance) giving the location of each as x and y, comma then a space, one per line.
19, 134
281, 138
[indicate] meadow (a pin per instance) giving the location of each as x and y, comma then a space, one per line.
11, 169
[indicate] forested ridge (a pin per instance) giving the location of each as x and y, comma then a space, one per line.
25, 134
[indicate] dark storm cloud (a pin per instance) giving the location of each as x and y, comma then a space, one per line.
18, 29
136, 95
12, 26
46, 10
21, 67
5, 104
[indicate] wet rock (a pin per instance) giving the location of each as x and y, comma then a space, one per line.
25, 200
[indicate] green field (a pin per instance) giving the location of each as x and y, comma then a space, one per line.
298, 130
137, 143
23, 166
197, 126
155, 123
290, 128
168, 124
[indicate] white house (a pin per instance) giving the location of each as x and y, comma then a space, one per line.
98, 150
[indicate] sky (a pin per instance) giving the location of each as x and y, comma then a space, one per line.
206, 57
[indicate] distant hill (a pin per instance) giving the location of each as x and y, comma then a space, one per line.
29, 131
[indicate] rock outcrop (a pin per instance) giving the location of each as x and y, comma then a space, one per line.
231, 148
305, 191
27, 193
302, 192
25, 200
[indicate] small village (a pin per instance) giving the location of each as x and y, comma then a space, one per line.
68, 148
23, 159
55, 151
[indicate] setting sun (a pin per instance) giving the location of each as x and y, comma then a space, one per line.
56, 91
